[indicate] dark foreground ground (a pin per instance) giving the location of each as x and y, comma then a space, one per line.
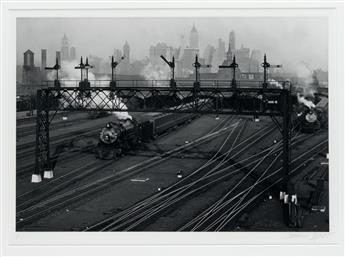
266, 215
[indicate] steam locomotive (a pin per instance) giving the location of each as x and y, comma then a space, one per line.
119, 137
314, 118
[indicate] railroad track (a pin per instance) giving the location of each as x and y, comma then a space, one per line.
137, 214
30, 129
72, 155
225, 210
215, 162
26, 214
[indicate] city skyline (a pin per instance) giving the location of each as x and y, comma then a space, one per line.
295, 37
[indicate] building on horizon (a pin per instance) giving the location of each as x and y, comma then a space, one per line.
242, 58
209, 55
219, 55
158, 50
30, 73
58, 56
232, 41
256, 58
43, 63
64, 48
72, 53
124, 68
194, 38
117, 54
189, 58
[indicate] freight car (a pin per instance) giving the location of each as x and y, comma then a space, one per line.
117, 138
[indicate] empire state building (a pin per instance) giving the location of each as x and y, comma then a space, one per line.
194, 38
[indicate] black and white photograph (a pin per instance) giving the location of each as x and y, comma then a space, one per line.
165, 124
172, 128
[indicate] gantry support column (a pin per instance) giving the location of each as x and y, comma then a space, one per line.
43, 164
288, 195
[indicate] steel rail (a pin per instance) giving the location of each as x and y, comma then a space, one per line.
142, 215
263, 179
147, 201
101, 183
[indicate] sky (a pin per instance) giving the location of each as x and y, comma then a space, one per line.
286, 41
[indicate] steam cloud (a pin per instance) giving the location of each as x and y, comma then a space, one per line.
153, 71
303, 100
70, 78
306, 75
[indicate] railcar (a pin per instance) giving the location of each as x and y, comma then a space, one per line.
117, 138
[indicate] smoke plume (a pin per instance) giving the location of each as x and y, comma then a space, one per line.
305, 74
306, 102
70, 77
153, 71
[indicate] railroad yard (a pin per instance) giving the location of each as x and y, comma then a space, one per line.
206, 173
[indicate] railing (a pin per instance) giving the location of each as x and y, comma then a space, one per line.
166, 83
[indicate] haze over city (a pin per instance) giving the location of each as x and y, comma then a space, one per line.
286, 40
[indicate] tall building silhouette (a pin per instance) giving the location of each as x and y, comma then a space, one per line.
43, 59
43, 63
194, 38
125, 65
229, 54
58, 56
117, 54
29, 59
126, 52
64, 48
242, 58
72, 53
255, 60
232, 40
189, 58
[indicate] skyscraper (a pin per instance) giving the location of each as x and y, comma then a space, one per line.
209, 54
242, 58
72, 53
189, 58
43, 59
117, 54
232, 41
64, 48
126, 52
255, 59
43, 63
125, 66
229, 54
58, 56
29, 60
194, 38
